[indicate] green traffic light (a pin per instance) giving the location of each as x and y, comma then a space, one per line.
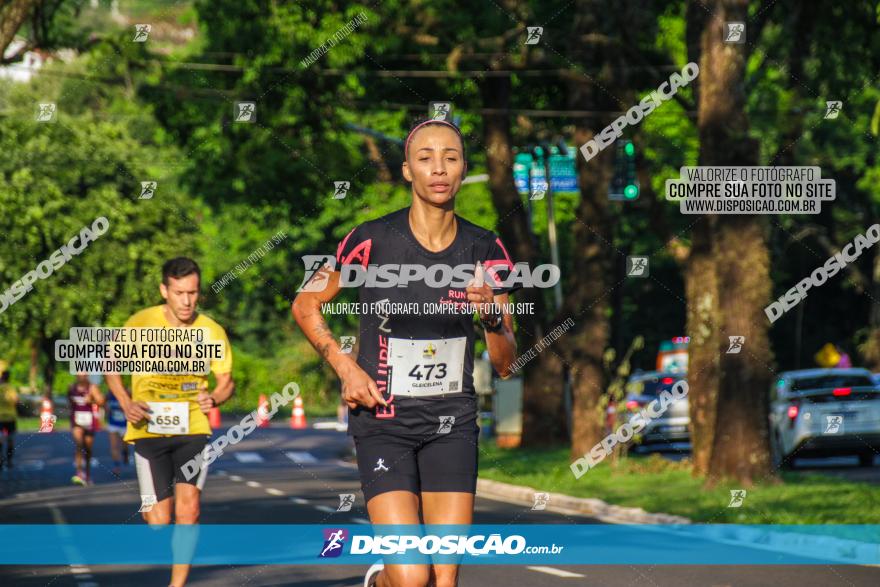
629, 149
631, 192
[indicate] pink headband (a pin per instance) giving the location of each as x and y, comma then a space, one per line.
426, 123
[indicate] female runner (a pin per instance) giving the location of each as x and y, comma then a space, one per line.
81, 396
410, 393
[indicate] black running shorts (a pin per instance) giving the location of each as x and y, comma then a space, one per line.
440, 462
160, 463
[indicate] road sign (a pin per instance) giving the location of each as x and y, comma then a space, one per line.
563, 177
521, 164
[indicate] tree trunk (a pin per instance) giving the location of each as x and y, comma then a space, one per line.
587, 290
741, 444
376, 157
12, 16
740, 447
871, 348
34, 366
587, 298
47, 348
701, 290
543, 383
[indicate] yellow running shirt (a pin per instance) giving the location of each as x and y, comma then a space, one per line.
175, 388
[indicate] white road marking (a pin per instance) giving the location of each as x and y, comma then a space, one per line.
70, 550
299, 500
556, 572
273, 491
253, 484
32, 465
248, 457
330, 426
301, 457
476, 178
360, 521
236, 478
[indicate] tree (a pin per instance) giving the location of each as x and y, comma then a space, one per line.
542, 398
13, 13
57, 178
740, 263
44, 24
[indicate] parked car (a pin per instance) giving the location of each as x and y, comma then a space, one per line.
29, 405
673, 425
824, 412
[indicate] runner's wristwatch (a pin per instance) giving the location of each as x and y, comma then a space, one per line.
492, 323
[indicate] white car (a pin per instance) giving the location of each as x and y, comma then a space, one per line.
673, 426
824, 412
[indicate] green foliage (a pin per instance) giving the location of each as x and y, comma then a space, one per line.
48, 194
263, 373
129, 113
659, 485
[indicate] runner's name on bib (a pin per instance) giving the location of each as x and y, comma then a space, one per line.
117, 415
169, 418
421, 368
83, 419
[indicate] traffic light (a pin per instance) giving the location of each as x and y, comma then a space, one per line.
624, 185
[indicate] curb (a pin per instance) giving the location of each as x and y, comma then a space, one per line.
823, 547
566, 504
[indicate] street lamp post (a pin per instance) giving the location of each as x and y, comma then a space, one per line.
551, 221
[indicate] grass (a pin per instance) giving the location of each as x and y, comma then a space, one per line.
658, 485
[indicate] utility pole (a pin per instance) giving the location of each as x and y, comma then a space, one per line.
543, 152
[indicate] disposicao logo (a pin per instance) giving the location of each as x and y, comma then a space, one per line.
334, 542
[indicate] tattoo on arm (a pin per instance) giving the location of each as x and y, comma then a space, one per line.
324, 349
322, 329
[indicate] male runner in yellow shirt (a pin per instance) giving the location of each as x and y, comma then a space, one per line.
163, 445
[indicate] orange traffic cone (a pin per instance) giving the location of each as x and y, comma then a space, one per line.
214, 417
263, 412
298, 414
47, 418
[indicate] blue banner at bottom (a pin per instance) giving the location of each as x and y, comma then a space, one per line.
532, 544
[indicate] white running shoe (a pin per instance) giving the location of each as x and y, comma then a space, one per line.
373, 574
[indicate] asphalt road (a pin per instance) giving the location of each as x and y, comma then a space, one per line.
282, 476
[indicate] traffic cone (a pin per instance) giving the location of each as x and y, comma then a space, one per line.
47, 418
214, 417
298, 414
262, 412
